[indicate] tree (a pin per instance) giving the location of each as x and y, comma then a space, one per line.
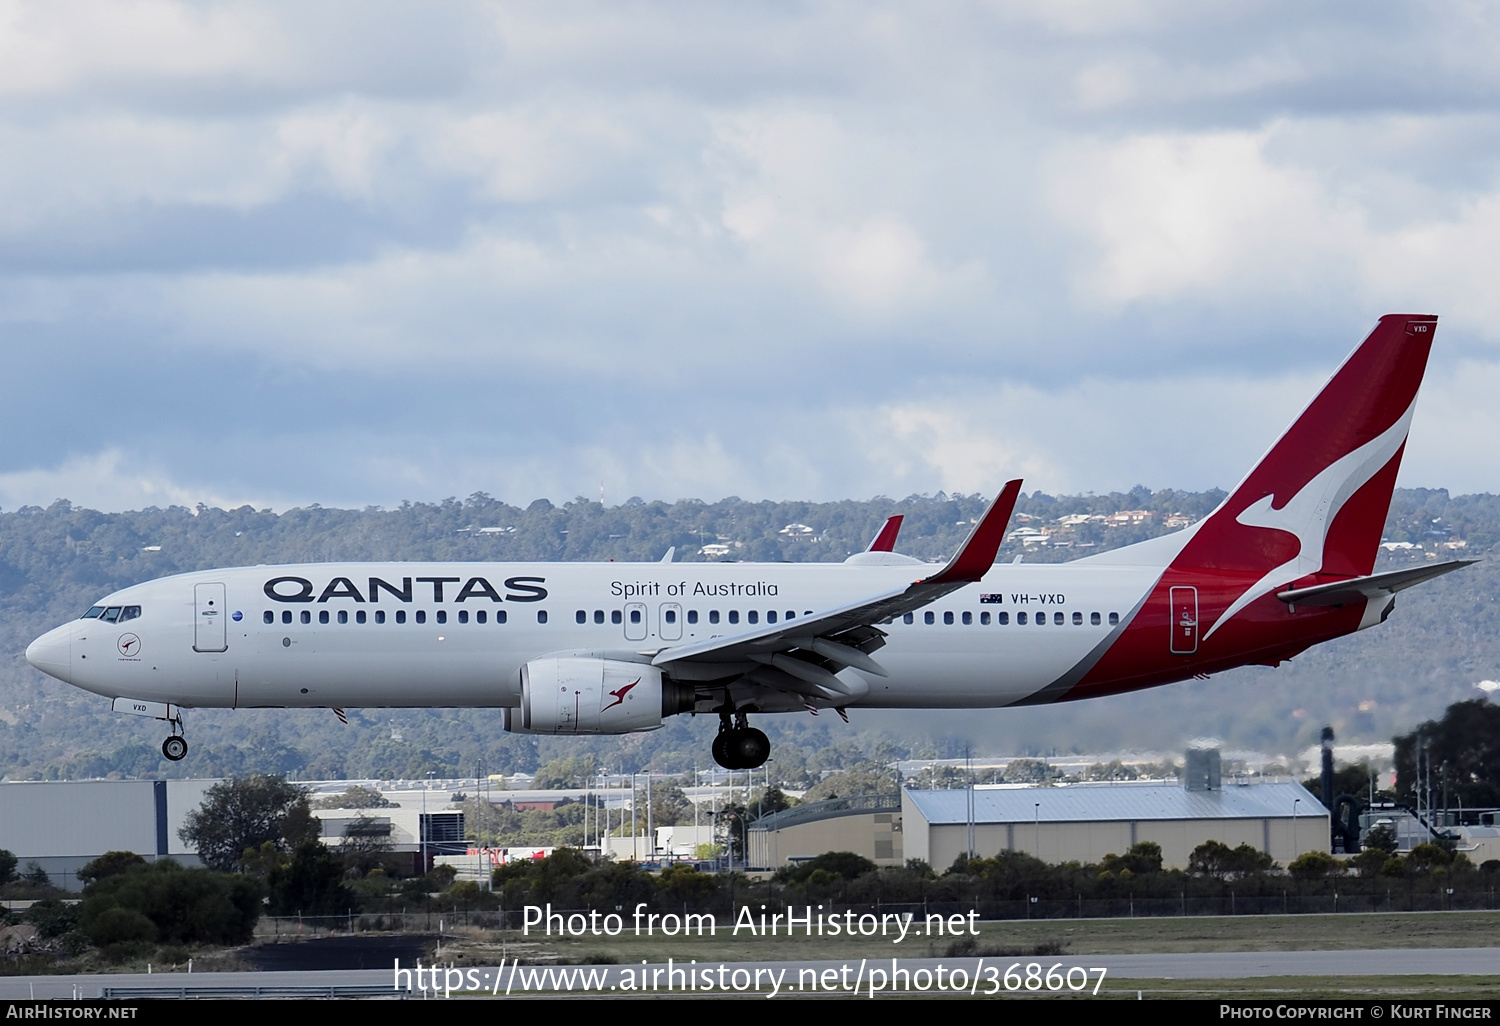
1315, 865
311, 883
356, 797
1218, 860
1382, 838
245, 813
1141, 857
366, 847
1463, 751
7, 866
769, 801
111, 863
184, 906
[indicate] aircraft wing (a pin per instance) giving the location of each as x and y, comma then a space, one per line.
1341, 593
803, 655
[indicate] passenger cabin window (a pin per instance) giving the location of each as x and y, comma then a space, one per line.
541, 616
286, 616
421, 616
581, 617
1021, 619
1002, 618
908, 618
753, 616
359, 616
400, 616
268, 617
692, 616
615, 616
306, 616
968, 618
598, 616
380, 616
1114, 618
1094, 619
481, 617
713, 616
948, 618
1057, 619
1078, 618
463, 616
984, 618
343, 616
734, 616
929, 618
500, 616
322, 616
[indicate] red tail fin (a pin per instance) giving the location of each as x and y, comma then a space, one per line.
1316, 503
885, 541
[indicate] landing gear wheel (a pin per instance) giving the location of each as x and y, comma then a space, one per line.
741, 748
750, 748
721, 749
174, 748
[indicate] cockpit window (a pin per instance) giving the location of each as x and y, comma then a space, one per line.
129, 613
93, 613
111, 614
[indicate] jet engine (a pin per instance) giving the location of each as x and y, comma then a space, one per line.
580, 695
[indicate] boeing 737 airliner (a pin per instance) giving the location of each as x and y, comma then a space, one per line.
1283, 563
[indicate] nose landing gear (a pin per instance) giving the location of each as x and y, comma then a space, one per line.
175, 747
740, 746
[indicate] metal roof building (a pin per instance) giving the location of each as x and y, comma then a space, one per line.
868, 825
1085, 822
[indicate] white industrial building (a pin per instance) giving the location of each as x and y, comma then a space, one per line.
63, 825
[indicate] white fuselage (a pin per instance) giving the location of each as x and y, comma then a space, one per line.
333, 638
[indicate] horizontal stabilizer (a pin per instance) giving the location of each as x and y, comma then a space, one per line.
1341, 593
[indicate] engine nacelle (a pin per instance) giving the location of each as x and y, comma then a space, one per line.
579, 695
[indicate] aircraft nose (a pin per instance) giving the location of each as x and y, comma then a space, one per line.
52, 653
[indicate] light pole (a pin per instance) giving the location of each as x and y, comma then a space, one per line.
1295, 802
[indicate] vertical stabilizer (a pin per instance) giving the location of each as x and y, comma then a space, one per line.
1314, 506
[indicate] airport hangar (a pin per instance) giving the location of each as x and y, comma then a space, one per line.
1065, 823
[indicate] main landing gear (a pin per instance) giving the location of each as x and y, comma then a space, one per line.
740, 746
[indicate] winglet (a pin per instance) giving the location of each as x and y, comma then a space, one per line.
977, 554
885, 541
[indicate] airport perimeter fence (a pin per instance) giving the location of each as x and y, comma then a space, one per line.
1288, 902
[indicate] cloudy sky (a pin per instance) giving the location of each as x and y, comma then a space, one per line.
359, 253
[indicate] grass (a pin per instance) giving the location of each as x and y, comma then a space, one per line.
1011, 937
